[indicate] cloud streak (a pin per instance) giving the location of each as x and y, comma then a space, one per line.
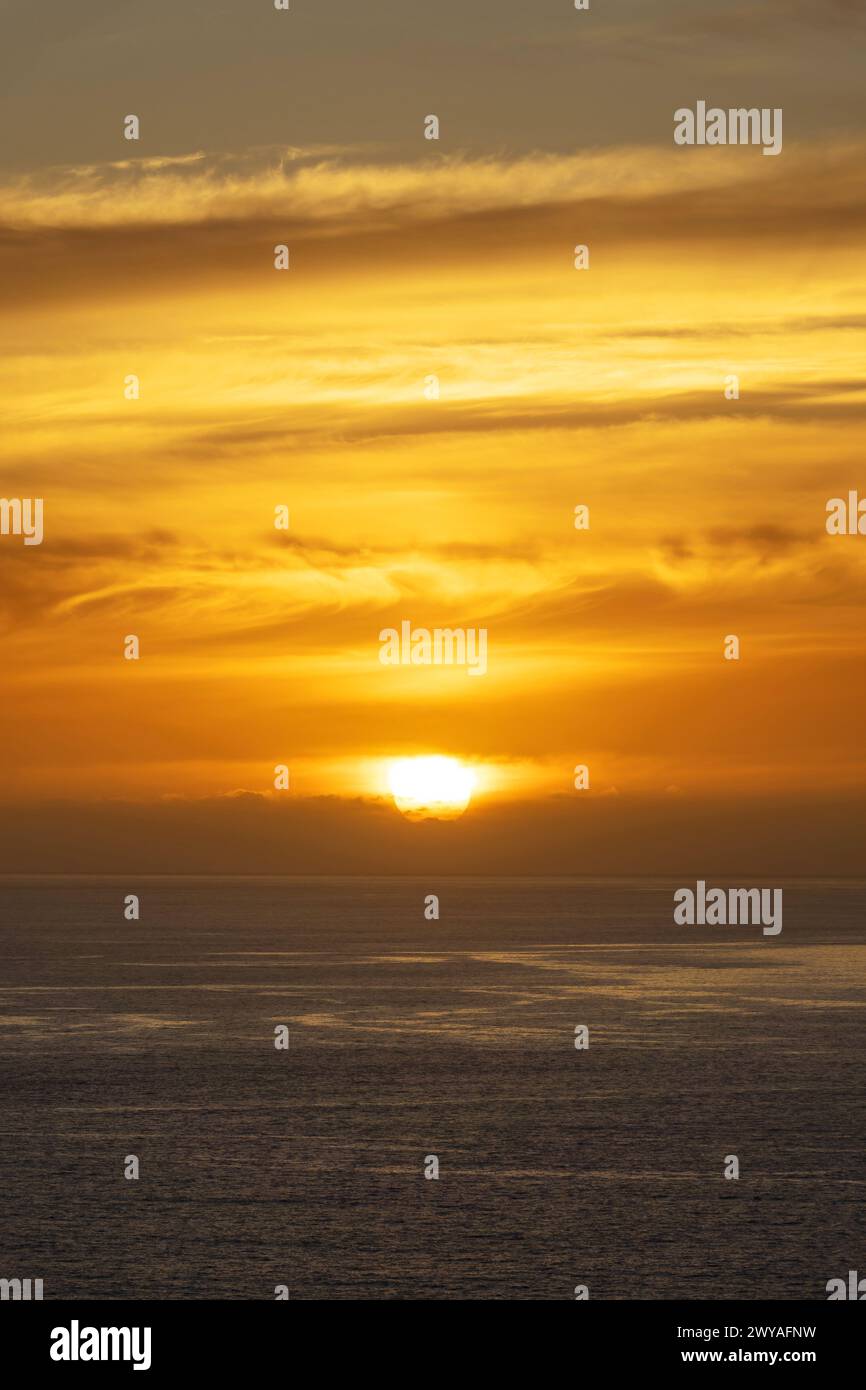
310, 189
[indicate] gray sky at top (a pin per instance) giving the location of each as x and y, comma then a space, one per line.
503, 75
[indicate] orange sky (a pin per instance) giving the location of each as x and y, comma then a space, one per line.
306, 388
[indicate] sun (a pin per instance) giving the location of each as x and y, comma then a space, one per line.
434, 787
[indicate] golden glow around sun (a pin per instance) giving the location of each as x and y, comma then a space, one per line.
430, 787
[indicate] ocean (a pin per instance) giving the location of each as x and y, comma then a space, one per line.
411, 1039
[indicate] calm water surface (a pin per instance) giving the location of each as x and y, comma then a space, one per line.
409, 1038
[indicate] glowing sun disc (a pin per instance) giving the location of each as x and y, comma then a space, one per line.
437, 787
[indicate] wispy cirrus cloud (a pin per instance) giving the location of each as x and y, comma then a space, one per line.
315, 187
